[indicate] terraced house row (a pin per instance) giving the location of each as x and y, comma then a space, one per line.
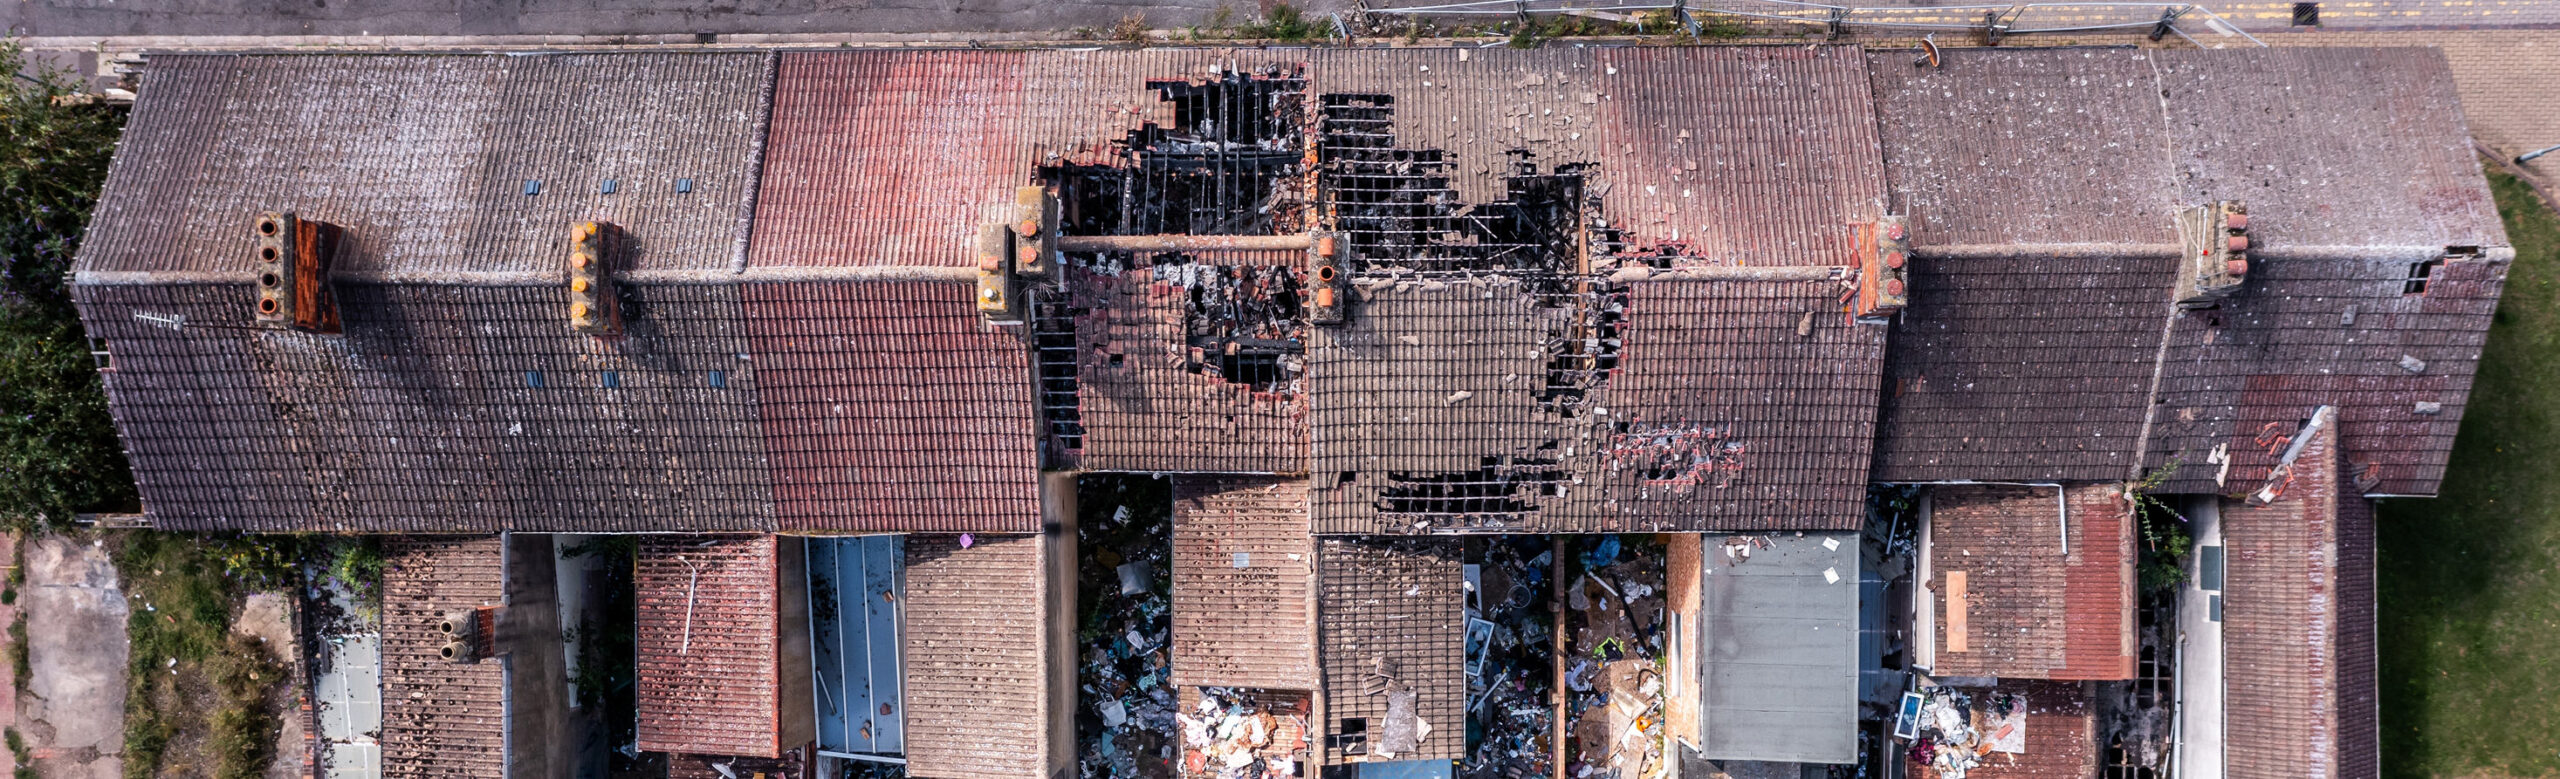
836, 331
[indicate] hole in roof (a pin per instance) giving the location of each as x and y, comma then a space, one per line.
2306, 14
2419, 274
1346, 477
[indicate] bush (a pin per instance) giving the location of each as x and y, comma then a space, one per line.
58, 453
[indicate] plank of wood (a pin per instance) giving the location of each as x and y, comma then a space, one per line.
1956, 607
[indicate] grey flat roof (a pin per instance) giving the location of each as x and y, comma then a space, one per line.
1778, 679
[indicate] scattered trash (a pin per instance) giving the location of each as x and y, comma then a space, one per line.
1243, 734
1615, 709
1129, 728
1511, 661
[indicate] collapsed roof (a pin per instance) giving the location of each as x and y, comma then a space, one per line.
1588, 290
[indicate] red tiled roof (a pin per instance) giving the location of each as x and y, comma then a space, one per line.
890, 406
1396, 605
1243, 565
2061, 738
2032, 610
439, 719
709, 625
2298, 620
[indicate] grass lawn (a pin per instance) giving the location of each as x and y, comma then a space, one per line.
2470, 581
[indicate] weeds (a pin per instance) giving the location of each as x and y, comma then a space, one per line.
1131, 29
2165, 542
1282, 23
198, 702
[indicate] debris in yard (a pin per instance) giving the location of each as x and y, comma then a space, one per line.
1241, 734
1614, 621
1511, 679
1126, 725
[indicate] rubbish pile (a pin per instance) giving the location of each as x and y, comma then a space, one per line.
1239, 734
1613, 622
1126, 583
1510, 661
1953, 739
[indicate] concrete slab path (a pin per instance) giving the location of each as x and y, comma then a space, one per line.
72, 714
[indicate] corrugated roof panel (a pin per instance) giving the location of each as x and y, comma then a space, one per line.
1147, 404
1242, 567
896, 158
1393, 608
891, 406
2027, 146
439, 719
425, 415
977, 661
2329, 146
1778, 637
425, 159
709, 627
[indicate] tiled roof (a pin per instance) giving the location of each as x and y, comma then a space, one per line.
2037, 604
2025, 368
2303, 334
2026, 146
2041, 343
710, 631
978, 683
2298, 613
1243, 566
442, 409
1425, 415
427, 160
2061, 738
2308, 137
1148, 403
439, 719
897, 157
1393, 608
890, 406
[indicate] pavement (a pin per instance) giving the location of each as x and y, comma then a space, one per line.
72, 714
268, 617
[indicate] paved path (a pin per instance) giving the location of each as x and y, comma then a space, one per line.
73, 712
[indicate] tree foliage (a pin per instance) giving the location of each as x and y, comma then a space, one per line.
58, 452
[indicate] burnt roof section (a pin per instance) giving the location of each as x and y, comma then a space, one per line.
2047, 595
2329, 146
2020, 146
2303, 334
439, 719
1650, 405
977, 665
427, 161
2299, 625
709, 627
2027, 368
890, 406
1243, 566
897, 157
442, 409
1392, 624
1191, 366
1748, 155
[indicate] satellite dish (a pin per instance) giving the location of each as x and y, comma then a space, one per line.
1928, 52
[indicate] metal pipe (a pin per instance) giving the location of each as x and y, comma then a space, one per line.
1184, 243
2529, 156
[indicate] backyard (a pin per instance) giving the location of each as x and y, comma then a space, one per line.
2470, 581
